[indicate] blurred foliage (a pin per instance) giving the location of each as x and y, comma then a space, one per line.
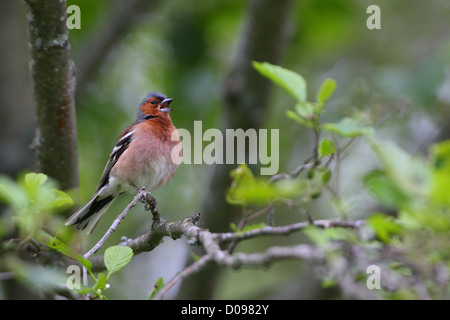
415, 187
34, 202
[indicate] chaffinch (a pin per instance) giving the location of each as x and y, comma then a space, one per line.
140, 158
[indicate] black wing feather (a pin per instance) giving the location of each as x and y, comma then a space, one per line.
119, 149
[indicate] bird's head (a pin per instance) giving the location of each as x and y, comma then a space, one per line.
154, 106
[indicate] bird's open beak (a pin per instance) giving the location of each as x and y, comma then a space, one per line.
165, 105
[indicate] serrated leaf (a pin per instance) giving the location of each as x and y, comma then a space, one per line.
289, 80
116, 257
348, 127
325, 91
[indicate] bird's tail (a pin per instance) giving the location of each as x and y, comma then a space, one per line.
89, 215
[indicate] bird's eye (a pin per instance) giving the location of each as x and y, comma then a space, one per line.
153, 102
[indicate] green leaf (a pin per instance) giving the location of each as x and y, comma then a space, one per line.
159, 284
348, 127
245, 189
323, 237
325, 91
294, 116
440, 173
35, 180
12, 193
234, 227
194, 256
306, 110
60, 198
326, 176
329, 282
384, 189
408, 173
102, 280
116, 257
326, 148
384, 226
54, 243
317, 235
289, 80
241, 177
254, 226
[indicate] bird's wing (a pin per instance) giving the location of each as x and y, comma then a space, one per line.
121, 146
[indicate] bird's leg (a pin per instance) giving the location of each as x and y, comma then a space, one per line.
135, 187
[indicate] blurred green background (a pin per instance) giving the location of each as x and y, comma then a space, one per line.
398, 76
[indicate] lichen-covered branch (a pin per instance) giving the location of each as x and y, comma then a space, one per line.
211, 242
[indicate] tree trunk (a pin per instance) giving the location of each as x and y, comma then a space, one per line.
53, 80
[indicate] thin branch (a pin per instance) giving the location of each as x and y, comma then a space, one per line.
189, 270
220, 257
286, 230
245, 220
294, 174
139, 197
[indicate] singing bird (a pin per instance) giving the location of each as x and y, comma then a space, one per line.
142, 157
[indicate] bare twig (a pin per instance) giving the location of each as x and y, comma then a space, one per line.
189, 270
286, 230
304, 166
220, 257
245, 220
141, 196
